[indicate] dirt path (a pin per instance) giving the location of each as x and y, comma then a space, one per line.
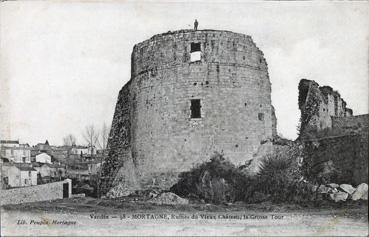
91, 218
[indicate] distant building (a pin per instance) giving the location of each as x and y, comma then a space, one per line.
43, 158
49, 172
18, 175
43, 147
17, 154
9, 143
4, 160
80, 174
83, 150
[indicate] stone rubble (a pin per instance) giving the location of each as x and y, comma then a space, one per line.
361, 192
339, 196
120, 190
343, 192
333, 185
323, 189
347, 188
169, 198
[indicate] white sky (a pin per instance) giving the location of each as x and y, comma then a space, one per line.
65, 62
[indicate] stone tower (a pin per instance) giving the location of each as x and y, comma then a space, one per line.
191, 93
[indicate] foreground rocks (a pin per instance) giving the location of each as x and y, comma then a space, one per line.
343, 192
119, 191
169, 199
361, 192
339, 196
347, 188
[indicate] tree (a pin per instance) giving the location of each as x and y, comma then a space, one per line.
103, 138
69, 140
91, 136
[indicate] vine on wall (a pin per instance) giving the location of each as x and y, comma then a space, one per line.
309, 102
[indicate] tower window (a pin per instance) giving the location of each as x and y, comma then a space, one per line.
261, 116
195, 108
195, 52
195, 47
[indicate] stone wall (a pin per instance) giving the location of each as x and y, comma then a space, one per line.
153, 132
43, 192
348, 155
352, 124
334, 139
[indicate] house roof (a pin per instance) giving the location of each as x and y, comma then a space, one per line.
9, 141
42, 153
24, 167
80, 147
36, 164
52, 165
17, 148
5, 159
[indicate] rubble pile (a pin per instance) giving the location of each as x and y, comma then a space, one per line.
343, 192
169, 198
121, 190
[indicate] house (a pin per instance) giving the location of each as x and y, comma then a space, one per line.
43, 147
9, 143
81, 174
18, 175
83, 150
43, 158
17, 154
44, 171
4, 160
59, 172
49, 172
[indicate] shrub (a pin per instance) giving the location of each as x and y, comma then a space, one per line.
279, 179
217, 181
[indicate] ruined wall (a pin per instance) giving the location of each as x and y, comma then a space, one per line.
318, 104
352, 124
348, 155
333, 139
231, 80
274, 123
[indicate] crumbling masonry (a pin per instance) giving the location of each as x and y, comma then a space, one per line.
318, 104
191, 93
334, 139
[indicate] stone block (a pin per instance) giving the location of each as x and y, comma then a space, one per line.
333, 185
347, 188
339, 196
361, 192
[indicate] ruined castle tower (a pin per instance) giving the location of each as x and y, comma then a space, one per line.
319, 106
191, 93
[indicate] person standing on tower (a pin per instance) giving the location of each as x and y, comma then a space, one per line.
196, 24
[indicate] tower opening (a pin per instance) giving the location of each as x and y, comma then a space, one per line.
195, 52
195, 108
261, 116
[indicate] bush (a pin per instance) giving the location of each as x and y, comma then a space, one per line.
219, 181
216, 181
279, 179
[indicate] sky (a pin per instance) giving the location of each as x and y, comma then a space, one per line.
62, 63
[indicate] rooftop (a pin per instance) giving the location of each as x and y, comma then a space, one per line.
24, 167
9, 141
185, 31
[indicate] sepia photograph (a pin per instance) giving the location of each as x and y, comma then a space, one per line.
184, 118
